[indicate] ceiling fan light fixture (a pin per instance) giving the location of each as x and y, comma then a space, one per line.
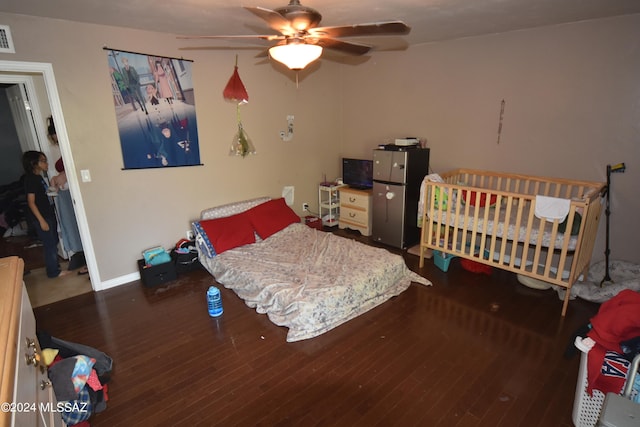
296, 56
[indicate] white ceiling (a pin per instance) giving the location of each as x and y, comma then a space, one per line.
431, 20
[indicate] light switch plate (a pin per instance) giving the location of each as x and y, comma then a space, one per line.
86, 175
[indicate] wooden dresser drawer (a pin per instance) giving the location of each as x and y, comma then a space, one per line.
354, 198
355, 210
23, 380
354, 216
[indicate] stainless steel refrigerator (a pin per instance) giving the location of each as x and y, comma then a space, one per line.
397, 175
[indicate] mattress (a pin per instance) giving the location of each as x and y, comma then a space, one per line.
496, 225
311, 281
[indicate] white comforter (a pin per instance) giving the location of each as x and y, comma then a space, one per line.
311, 281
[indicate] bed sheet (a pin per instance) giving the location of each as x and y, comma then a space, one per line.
311, 281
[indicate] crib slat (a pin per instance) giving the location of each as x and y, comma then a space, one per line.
485, 224
507, 224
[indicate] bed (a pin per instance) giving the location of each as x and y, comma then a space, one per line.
302, 278
538, 227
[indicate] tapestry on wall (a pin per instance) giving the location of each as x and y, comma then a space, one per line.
155, 110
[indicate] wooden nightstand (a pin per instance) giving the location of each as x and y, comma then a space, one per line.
355, 210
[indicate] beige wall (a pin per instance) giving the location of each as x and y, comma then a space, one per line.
571, 95
572, 106
128, 211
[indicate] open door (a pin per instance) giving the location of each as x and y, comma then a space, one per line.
23, 121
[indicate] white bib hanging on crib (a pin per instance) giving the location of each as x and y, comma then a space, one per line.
552, 208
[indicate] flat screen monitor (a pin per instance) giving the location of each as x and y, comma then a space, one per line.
357, 173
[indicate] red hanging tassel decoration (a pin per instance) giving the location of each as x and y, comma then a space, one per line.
235, 90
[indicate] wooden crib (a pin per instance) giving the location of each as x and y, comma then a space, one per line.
490, 218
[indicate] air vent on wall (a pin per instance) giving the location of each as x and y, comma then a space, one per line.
6, 42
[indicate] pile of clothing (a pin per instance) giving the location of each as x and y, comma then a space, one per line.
13, 207
614, 341
79, 375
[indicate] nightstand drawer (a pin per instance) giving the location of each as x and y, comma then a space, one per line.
355, 199
354, 216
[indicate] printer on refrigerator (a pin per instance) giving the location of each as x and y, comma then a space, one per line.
398, 172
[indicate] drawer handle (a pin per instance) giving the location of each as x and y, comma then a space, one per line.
32, 359
44, 384
352, 199
352, 215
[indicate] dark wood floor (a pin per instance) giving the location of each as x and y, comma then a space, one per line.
472, 350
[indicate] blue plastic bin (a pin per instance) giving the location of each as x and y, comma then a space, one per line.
442, 260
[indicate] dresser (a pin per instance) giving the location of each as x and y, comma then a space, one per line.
25, 390
355, 210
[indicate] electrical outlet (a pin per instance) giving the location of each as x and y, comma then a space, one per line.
190, 235
305, 207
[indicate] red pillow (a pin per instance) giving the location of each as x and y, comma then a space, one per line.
272, 216
229, 232
493, 198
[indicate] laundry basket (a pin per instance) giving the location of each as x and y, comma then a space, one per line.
586, 409
623, 410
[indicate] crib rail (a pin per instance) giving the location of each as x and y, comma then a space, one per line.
488, 217
525, 184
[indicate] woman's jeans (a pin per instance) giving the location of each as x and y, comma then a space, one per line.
49, 241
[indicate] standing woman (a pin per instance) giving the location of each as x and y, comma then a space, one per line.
162, 83
41, 213
69, 232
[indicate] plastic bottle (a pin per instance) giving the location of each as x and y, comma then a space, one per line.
214, 301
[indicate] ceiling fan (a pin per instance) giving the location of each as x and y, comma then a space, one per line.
301, 40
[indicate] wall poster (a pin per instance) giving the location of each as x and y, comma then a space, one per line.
155, 109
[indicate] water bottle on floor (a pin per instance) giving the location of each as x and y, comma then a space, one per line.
214, 301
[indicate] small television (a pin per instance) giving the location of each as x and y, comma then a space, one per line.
357, 173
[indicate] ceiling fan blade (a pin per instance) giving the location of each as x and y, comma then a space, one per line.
346, 47
256, 36
273, 18
223, 48
359, 30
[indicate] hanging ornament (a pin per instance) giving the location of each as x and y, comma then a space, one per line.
235, 90
241, 145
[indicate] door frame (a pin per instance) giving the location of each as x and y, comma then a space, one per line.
7, 71
31, 136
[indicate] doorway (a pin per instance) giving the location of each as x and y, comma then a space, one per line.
20, 72
19, 133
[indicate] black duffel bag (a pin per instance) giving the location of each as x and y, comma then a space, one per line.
185, 261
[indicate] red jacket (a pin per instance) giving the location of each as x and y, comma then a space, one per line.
617, 320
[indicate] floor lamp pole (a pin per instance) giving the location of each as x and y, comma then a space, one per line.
619, 168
